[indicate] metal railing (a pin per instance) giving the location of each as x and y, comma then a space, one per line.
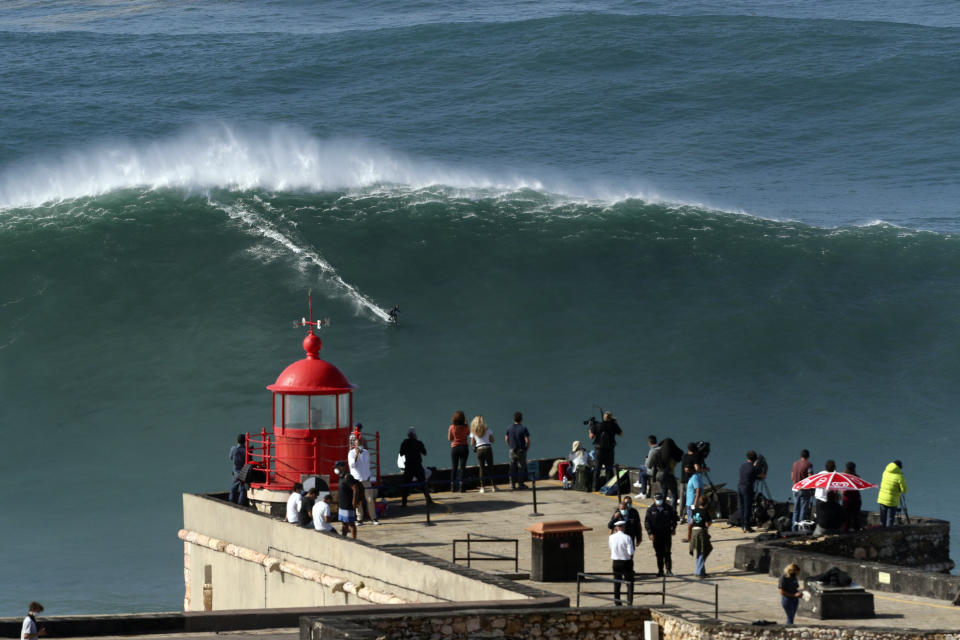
586, 578
474, 555
261, 452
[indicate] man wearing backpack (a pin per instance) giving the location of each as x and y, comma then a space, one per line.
604, 436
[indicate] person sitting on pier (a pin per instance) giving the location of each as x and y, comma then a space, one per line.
293, 503
321, 514
648, 470
631, 516
305, 515
830, 515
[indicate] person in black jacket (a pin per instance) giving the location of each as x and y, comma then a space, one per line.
412, 450
661, 524
633, 526
604, 436
305, 514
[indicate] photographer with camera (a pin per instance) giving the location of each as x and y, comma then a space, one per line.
604, 435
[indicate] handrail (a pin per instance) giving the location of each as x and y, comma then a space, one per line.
471, 539
261, 452
603, 595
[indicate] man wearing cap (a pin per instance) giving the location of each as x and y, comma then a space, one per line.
621, 552
348, 495
321, 514
661, 524
626, 512
412, 450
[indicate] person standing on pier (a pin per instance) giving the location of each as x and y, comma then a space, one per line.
801, 499
481, 437
604, 436
633, 528
348, 497
700, 546
358, 461
457, 434
31, 629
790, 593
852, 503
621, 553
748, 476
238, 457
661, 524
892, 486
412, 450
518, 439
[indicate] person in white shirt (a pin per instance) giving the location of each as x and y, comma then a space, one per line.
30, 628
621, 552
293, 503
481, 439
321, 514
359, 462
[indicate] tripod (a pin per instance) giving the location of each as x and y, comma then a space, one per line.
903, 507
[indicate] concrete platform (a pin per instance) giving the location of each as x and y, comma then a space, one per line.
743, 597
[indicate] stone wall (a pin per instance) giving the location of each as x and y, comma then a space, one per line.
677, 628
923, 544
912, 559
625, 623
585, 624
236, 558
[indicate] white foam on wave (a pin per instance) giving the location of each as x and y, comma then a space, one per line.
274, 158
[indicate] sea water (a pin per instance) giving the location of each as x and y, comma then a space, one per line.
734, 222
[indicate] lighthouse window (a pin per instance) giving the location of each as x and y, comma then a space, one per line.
343, 401
323, 412
297, 411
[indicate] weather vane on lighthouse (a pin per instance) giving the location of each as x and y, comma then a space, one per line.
313, 324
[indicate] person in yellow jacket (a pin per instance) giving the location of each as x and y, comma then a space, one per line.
892, 485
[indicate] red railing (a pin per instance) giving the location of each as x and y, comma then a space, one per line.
261, 453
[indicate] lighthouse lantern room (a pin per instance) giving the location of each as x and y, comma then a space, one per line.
312, 416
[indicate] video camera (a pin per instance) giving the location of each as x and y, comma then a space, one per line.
702, 449
591, 421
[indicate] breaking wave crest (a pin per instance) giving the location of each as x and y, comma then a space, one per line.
272, 158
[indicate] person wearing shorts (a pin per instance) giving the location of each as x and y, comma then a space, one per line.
348, 495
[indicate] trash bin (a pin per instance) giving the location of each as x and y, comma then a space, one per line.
556, 552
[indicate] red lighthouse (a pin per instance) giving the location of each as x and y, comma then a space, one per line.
312, 416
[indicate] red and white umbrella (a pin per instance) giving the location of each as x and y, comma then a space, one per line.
834, 481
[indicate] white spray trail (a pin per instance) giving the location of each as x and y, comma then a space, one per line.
254, 222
